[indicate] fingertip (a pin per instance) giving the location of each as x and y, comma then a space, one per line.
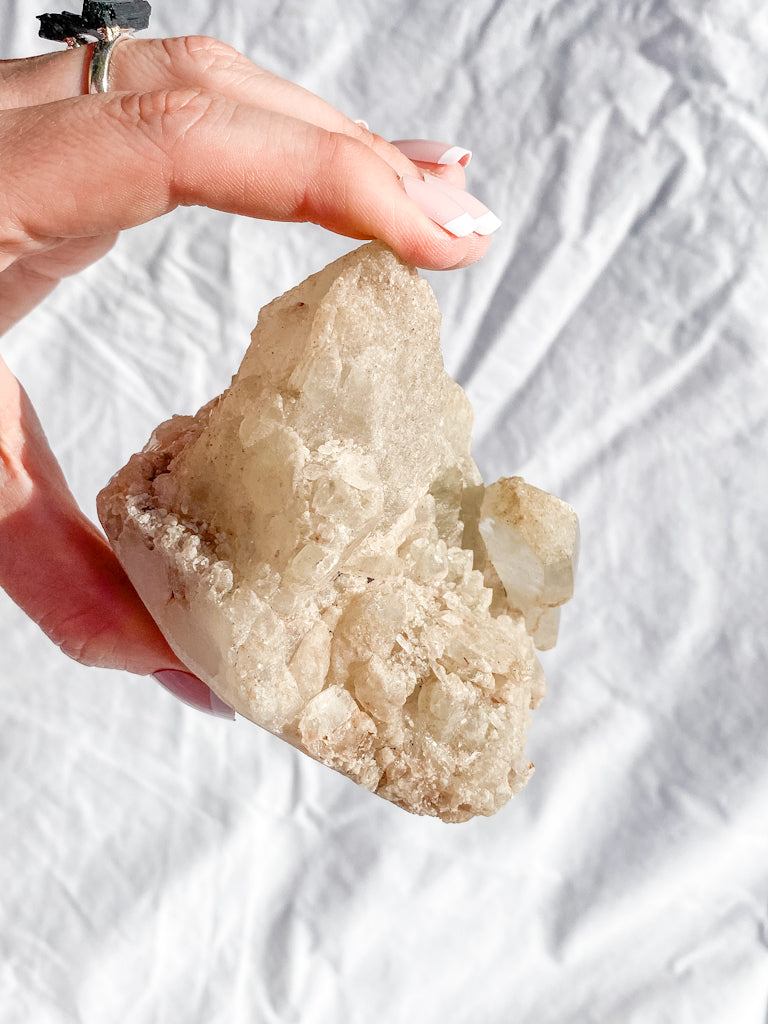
475, 251
440, 234
425, 245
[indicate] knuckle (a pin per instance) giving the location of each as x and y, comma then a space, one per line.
383, 149
173, 127
393, 156
332, 164
204, 53
364, 135
333, 152
379, 146
162, 104
341, 149
165, 115
82, 633
85, 650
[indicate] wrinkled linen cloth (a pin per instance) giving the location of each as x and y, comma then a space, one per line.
160, 866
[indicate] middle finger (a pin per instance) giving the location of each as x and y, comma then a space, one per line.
198, 62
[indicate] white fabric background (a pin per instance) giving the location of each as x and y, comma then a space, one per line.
158, 866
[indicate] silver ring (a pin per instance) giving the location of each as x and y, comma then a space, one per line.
103, 23
98, 69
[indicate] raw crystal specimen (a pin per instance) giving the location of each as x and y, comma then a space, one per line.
532, 540
317, 545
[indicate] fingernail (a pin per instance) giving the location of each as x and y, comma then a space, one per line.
486, 222
194, 692
426, 151
363, 124
439, 207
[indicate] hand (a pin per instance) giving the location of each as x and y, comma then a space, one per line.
187, 122
192, 122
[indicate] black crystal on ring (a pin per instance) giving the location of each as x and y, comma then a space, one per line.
127, 14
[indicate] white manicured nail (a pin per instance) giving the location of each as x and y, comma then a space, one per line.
439, 207
427, 151
194, 692
486, 222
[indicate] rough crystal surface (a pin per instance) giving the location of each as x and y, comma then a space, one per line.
317, 545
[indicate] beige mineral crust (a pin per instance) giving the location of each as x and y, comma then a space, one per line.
317, 545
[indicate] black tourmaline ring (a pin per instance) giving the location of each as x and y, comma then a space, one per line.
101, 23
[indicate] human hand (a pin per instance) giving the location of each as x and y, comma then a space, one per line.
191, 122
188, 122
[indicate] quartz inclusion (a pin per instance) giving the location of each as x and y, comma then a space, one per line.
317, 545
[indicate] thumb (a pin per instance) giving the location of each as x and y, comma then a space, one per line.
56, 565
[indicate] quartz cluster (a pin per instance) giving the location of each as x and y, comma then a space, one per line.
317, 545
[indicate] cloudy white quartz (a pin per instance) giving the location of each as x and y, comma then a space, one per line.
317, 545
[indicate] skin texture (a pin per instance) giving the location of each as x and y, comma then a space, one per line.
187, 122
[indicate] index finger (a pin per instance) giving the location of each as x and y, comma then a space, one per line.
188, 62
97, 164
